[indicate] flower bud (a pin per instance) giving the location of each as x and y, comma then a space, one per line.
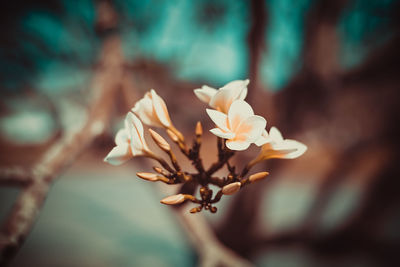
152, 177
231, 189
199, 129
258, 176
172, 135
173, 200
160, 141
195, 210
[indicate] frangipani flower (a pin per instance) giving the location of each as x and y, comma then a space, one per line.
241, 127
129, 142
223, 98
280, 148
152, 110
264, 138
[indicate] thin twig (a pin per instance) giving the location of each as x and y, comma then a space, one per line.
212, 252
15, 176
26, 208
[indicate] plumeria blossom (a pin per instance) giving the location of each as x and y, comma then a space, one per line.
223, 98
152, 110
129, 142
277, 147
264, 138
235, 121
240, 126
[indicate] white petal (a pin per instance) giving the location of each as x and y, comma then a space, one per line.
237, 145
263, 139
220, 119
160, 109
243, 94
226, 135
232, 91
250, 129
122, 137
144, 109
275, 135
118, 155
238, 112
288, 149
205, 93
299, 149
237, 84
138, 143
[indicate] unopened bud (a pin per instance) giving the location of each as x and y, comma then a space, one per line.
160, 141
231, 189
258, 176
173, 200
199, 129
172, 135
148, 176
158, 169
195, 210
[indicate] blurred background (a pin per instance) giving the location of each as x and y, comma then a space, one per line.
325, 72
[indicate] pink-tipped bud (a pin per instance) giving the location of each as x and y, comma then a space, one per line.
173, 200
152, 177
258, 176
231, 189
160, 141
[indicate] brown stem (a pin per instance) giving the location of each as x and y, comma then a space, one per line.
27, 207
174, 161
249, 165
163, 163
218, 165
217, 181
15, 177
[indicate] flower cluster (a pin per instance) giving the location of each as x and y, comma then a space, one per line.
237, 127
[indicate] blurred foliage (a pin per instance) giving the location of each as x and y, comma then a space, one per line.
363, 26
52, 45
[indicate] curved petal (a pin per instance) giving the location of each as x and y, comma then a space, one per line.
205, 93
227, 94
263, 139
226, 135
237, 84
239, 111
138, 143
275, 135
237, 144
144, 110
220, 119
118, 155
297, 149
122, 137
243, 94
250, 129
160, 109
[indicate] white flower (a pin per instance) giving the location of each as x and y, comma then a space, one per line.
280, 148
129, 142
152, 110
264, 138
223, 98
241, 127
